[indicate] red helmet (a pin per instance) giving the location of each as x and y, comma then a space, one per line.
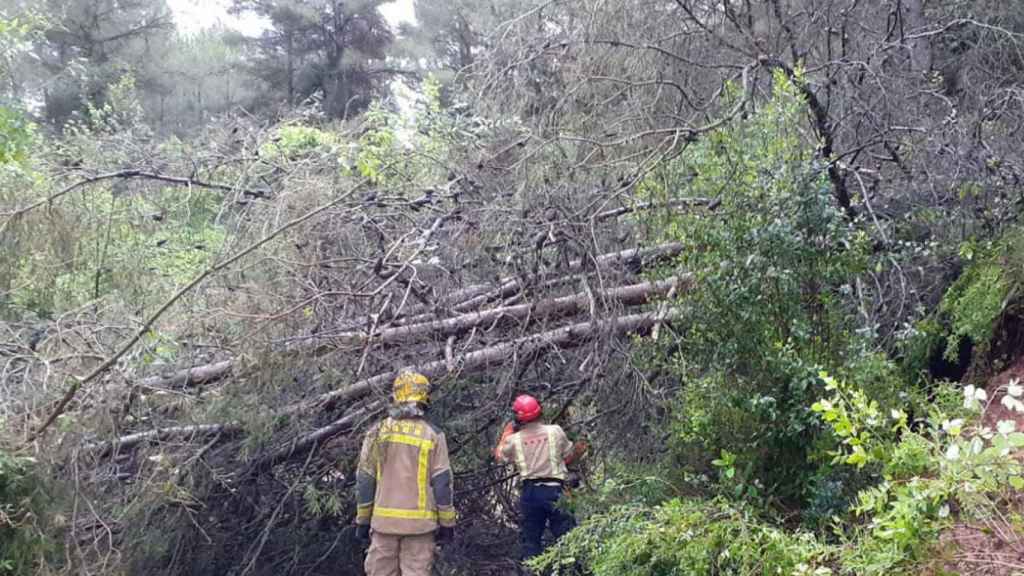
526, 408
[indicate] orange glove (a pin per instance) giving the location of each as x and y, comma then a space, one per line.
505, 433
578, 450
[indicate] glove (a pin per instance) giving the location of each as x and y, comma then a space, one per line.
363, 534
445, 535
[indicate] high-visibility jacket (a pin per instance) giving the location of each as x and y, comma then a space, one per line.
404, 479
538, 451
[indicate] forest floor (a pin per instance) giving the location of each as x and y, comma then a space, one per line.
994, 547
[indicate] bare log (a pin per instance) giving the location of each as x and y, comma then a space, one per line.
196, 376
472, 297
461, 301
636, 258
634, 295
321, 435
478, 361
163, 434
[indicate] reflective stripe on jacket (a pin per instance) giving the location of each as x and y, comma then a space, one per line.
404, 479
538, 451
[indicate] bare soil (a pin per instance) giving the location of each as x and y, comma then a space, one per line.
994, 547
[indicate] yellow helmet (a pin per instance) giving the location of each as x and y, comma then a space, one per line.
411, 387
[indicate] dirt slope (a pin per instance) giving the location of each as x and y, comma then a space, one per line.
994, 547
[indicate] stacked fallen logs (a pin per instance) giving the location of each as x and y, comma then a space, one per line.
461, 313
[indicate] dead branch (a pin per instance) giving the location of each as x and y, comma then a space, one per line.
163, 434
133, 174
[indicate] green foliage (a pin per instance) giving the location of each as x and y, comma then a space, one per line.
321, 503
121, 111
684, 537
295, 141
22, 543
927, 471
989, 286
120, 250
856, 421
398, 151
973, 304
916, 346
17, 134
15, 33
378, 150
772, 265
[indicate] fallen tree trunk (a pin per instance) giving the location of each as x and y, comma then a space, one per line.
478, 360
636, 258
191, 377
472, 297
463, 301
634, 295
161, 434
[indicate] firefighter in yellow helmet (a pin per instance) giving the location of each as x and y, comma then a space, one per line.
404, 486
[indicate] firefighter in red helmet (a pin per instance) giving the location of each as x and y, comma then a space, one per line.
541, 452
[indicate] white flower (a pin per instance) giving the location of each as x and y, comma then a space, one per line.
1012, 403
972, 396
953, 452
1014, 388
898, 414
1006, 427
944, 511
953, 427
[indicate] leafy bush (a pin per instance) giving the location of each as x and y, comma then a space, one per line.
973, 304
22, 543
684, 537
767, 309
942, 465
295, 141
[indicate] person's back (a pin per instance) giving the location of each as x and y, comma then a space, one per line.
540, 453
404, 486
403, 453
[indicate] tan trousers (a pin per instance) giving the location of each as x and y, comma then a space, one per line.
394, 555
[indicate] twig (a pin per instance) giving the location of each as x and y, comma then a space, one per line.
128, 174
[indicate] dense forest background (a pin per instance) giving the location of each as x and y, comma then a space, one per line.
766, 256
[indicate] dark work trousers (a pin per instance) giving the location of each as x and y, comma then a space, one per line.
539, 507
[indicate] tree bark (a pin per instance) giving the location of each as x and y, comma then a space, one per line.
478, 361
920, 46
160, 434
196, 376
463, 300
564, 337
634, 295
